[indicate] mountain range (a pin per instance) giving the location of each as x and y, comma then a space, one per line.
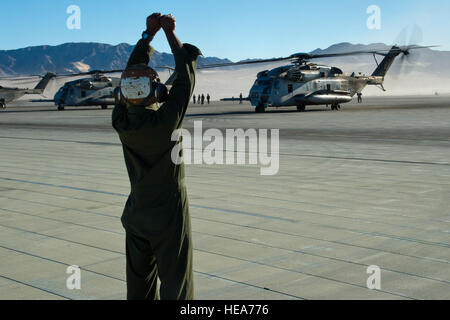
78, 57
81, 57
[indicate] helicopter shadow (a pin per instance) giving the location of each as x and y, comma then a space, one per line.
47, 110
203, 114
251, 112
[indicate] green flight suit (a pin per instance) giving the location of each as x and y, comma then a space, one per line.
156, 215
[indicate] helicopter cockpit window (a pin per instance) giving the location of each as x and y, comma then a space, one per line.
86, 84
263, 82
335, 70
308, 67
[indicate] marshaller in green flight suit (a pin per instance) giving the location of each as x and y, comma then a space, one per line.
156, 215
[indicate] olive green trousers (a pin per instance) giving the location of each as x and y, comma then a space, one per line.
169, 259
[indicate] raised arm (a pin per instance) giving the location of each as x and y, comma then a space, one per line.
143, 51
185, 67
140, 55
168, 23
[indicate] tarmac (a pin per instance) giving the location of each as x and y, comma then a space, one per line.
366, 186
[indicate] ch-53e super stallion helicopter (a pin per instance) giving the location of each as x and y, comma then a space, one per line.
11, 94
304, 83
95, 91
98, 90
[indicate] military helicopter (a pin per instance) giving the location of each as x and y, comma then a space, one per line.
304, 83
11, 94
96, 90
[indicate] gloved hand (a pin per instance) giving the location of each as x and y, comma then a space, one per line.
168, 23
153, 24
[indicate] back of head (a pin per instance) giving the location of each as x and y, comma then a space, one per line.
140, 86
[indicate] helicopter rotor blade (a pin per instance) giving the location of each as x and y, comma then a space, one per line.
89, 73
307, 56
294, 57
231, 64
414, 36
164, 67
20, 78
343, 54
105, 72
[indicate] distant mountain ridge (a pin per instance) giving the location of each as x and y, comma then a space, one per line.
80, 57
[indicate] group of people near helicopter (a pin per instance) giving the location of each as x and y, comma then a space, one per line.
201, 98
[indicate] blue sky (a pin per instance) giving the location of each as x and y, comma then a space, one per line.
234, 29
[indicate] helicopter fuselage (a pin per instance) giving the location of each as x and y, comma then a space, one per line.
87, 92
307, 84
11, 94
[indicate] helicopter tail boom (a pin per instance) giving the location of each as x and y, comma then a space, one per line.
44, 82
386, 64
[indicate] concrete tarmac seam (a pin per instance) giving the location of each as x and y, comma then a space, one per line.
251, 227
375, 234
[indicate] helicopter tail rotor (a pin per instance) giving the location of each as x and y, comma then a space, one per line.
408, 41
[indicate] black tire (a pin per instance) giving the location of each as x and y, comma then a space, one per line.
260, 109
2, 106
60, 108
301, 108
104, 107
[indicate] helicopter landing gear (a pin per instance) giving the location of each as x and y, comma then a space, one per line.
336, 107
260, 109
60, 108
104, 107
301, 108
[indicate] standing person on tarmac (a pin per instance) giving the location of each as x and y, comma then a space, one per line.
203, 99
208, 98
193, 97
156, 215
